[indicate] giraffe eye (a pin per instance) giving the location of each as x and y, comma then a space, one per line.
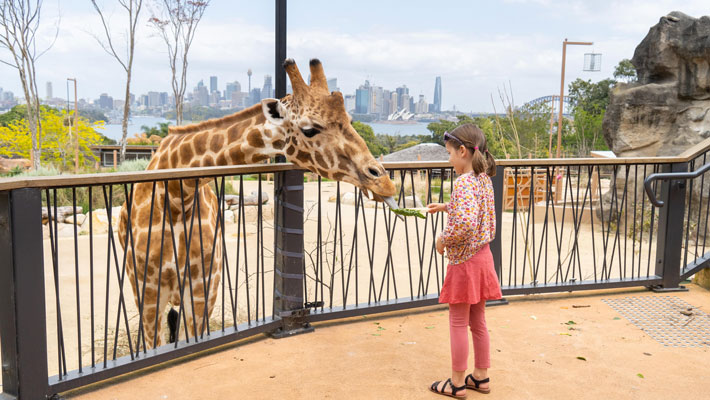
310, 132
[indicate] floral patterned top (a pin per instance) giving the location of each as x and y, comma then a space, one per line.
472, 217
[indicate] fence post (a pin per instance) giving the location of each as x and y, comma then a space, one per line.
496, 244
23, 333
670, 230
289, 260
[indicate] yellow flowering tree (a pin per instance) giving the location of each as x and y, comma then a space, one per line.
57, 140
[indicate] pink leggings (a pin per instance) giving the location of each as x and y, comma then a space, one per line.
461, 316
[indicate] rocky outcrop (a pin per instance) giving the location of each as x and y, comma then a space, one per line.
668, 109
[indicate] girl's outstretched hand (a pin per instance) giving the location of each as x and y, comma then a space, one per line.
432, 208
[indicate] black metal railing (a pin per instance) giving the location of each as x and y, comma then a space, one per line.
91, 308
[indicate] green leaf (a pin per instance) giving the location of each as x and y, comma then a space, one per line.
616, 318
640, 375
408, 212
376, 334
570, 323
581, 358
429, 327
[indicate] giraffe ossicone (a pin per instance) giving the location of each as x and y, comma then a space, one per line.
310, 127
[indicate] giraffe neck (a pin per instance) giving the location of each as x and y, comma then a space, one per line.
245, 137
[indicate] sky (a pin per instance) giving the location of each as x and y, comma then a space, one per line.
479, 48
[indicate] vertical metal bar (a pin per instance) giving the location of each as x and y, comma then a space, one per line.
670, 229
280, 50
496, 245
23, 333
76, 278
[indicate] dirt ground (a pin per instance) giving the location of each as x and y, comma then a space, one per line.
397, 355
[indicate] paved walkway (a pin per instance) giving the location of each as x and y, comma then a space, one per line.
535, 354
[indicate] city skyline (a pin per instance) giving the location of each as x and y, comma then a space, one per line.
476, 50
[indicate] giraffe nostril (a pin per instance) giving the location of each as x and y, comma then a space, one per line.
374, 172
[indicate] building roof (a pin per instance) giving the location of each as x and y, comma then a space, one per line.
420, 152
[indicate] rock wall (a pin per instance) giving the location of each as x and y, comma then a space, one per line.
667, 110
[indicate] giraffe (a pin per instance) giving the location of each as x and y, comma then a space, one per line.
310, 127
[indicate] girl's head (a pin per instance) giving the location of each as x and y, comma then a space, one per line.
467, 147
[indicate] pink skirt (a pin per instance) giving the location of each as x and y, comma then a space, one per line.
471, 281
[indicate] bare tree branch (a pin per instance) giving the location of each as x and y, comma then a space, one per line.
133, 9
177, 26
19, 22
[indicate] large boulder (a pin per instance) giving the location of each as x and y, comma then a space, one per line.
666, 111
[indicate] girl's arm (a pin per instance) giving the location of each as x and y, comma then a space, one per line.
463, 215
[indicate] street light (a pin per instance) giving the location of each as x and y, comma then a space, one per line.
562, 90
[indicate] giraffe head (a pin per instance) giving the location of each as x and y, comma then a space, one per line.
319, 137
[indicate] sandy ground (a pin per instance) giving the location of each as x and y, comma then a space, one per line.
354, 359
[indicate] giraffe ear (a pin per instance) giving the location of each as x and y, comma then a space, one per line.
274, 111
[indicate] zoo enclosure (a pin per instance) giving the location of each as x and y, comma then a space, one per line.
71, 319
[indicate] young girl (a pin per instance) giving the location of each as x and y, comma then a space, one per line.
470, 276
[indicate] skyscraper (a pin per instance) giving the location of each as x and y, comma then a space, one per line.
267, 91
362, 99
333, 85
213, 84
437, 95
401, 91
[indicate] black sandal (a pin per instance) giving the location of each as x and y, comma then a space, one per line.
454, 389
477, 383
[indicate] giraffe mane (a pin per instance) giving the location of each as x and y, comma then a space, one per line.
216, 122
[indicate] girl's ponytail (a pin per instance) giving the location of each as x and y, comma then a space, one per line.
491, 171
479, 161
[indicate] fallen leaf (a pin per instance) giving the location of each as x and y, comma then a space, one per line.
428, 327
570, 322
581, 358
533, 317
640, 375
376, 323
615, 318
565, 308
272, 376
565, 333
379, 328
580, 306
648, 354
376, 334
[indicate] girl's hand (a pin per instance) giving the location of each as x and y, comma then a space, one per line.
439, 245
432, 208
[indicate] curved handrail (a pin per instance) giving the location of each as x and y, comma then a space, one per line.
670, 175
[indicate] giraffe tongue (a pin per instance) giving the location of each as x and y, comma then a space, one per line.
390, 202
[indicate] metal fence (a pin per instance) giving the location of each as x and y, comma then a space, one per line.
81, 309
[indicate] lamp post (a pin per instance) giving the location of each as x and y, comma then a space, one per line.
76, 129
562, 90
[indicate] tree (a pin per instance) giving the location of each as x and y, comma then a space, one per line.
625, 71
133, 8
160, 130
589, 96
57, 141
589, 101
19, 21
177, 26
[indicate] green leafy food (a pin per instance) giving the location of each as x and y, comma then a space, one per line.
408, 212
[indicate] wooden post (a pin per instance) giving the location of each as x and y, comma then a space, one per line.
115, 159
